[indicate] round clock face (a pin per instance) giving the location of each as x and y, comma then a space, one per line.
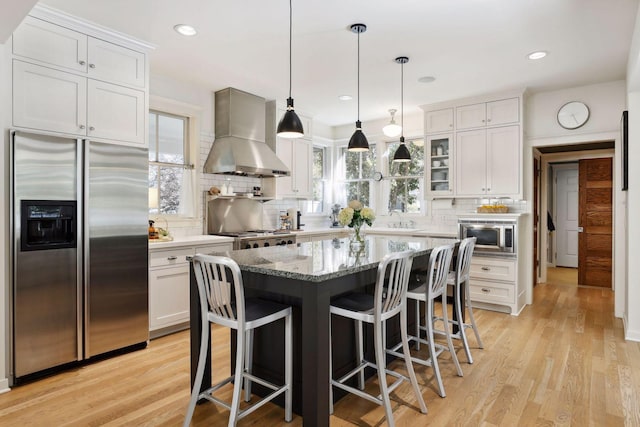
573, 114
377, 176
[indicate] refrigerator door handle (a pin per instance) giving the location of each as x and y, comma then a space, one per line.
83, 286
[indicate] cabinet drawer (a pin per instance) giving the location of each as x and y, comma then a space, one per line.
493, 269
169, 257
495, 293
208, 249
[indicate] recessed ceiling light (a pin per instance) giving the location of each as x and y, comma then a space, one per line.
537, 55
426, 79
185, 30
345, 97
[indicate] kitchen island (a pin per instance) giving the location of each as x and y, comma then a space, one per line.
307, 276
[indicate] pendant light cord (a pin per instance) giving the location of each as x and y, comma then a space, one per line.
358, 75
402, 97
290, 43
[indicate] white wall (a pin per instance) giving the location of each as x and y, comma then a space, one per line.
606, 101
632, 313
414, 127
4, 213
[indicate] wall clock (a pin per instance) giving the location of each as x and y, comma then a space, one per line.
377, 176
573, 114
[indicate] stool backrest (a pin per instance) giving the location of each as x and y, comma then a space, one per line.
438, 270
392, 283
215, 276
463, 264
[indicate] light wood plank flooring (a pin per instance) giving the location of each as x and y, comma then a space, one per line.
563, 361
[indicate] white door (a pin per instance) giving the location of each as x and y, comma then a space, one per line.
567, 216
303, 158
503, 161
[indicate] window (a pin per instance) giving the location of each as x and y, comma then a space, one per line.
169, 171
406, 179
354, 176
319, 176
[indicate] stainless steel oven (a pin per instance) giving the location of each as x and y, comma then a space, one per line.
493, 236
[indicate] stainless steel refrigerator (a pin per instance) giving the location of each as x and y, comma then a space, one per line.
80, 250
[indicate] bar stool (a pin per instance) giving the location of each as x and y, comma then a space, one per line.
437, 272
459, 280
217, 306
388, 300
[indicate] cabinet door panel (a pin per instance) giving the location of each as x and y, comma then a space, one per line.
471, 116
471, 164
302, 160
116, 112
503, 112
285, 153
51, 44
503, 161
168, 296
116, 64
439, 121
48, 99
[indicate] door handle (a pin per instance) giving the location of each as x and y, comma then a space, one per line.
580, 229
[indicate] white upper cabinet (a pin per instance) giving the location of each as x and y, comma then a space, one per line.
55, 46
68, 81
116, 64
50, 100
439, 121
51, 45
297, 155
488, 162
494, 113
115, 112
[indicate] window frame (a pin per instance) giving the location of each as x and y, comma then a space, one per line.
326, 178
342, 181
193, 113
421, 177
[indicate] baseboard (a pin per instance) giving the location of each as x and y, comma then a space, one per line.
4, 385
630, 335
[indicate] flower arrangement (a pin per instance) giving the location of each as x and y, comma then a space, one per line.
355, 215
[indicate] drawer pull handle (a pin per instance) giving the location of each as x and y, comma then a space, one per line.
486, 269
172, 258
486, 291
92, 65
82, 62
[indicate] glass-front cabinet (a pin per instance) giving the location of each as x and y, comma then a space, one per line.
440, 164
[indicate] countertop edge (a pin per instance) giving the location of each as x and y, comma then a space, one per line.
199, 240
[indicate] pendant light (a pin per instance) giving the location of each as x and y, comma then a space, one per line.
392, 129
290, 125
402, 153
358, 141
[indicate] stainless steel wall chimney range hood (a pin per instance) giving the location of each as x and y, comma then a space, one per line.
239, 147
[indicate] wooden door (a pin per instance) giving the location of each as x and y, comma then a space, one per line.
596, 220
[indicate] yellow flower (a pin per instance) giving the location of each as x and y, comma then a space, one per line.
345, 216
368, 214
355, 205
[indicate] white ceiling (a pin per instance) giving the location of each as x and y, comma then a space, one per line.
472, 47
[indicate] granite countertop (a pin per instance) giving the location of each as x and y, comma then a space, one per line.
327, 259
189, 241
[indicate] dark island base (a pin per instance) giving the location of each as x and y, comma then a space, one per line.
268, 354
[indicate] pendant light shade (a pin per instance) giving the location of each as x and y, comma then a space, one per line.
392, 129
358, 141
290, 125
402, 153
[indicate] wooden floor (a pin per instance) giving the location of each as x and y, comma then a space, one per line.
563, 361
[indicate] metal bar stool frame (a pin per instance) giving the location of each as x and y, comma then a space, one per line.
389, 300
459, 280
435, 286
216, 305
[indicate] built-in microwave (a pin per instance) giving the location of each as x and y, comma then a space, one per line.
497, 237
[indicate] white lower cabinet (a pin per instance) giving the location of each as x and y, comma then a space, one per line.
493, 285
168, 296
169, 286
